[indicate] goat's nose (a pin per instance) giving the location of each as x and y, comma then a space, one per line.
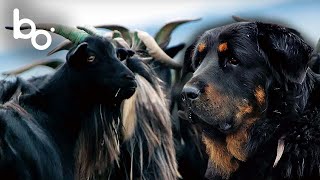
190, 92
127, 76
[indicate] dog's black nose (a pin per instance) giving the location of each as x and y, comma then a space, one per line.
190, 92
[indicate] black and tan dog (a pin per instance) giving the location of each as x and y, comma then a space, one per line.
256, 101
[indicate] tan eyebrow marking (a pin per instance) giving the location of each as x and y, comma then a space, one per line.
223, 47
202, 46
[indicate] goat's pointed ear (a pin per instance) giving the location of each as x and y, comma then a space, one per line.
287, 52
78, 54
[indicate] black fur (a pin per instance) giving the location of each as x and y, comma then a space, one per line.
26, 150
314, 63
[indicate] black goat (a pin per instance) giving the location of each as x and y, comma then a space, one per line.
148, 150
146, 132
75, 113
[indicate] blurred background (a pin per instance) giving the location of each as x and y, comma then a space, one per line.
302, 15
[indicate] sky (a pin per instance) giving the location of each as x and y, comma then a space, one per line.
148, 16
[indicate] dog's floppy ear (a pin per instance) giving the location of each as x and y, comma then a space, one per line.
287, 52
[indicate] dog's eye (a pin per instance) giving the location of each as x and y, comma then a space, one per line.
233, 61
91, 59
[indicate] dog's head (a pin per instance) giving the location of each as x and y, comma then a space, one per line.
234, 66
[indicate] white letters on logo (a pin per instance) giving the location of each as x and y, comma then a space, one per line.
32, 34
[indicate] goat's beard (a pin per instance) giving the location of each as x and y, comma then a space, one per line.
98, 144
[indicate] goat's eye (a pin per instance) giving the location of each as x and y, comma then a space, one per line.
91, 58
233, 61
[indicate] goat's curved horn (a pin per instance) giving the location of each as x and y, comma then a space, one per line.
73, 34
52, 63
65, 45
156, 52
93, 31
239, 19
121, 43
163, 36
90, 30
123, 30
